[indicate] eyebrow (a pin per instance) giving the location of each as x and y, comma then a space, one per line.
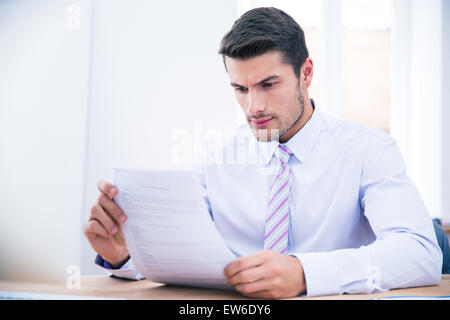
274, 77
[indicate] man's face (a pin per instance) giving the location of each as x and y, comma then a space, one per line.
268, 92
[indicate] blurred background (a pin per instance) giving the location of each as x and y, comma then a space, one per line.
86, 85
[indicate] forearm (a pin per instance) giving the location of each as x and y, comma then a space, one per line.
397, 261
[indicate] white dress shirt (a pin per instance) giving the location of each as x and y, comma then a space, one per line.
357, 222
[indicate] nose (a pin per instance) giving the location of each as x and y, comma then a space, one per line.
255, 104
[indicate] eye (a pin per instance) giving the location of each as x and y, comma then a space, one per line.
268, 84
241, 89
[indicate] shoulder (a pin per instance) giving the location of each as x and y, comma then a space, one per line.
351, 133
347, 128
355, 141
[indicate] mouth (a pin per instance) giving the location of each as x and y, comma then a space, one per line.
261, 123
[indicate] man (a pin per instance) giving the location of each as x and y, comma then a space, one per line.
338, 214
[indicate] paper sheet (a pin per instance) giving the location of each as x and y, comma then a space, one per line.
169, 232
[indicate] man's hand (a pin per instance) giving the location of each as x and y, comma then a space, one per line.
104, 228
267, 274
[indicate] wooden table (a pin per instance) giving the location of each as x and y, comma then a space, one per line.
104, 286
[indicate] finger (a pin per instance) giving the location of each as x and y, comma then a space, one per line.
255, 288
104, 219
107, 188
94, 227
243, 263
112, 209
247, 276
266, 294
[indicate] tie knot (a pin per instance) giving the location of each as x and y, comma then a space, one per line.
283, 153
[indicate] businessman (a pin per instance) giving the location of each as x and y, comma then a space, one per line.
337, 214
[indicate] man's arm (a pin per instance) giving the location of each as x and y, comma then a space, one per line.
405, 253
104, 232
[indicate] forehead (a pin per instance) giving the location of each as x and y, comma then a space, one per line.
252, 70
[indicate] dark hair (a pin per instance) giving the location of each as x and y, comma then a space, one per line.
261, 30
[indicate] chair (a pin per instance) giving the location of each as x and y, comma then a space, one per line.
443, 244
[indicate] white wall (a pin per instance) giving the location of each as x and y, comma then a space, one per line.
155, 70
77, 99
44, 65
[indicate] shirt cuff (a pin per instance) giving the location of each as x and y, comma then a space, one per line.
102, 262
321, 273
127, 270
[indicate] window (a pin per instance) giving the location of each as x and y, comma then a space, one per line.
366, 62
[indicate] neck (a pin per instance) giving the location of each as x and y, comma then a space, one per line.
306, 115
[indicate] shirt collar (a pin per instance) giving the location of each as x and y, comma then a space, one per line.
301, 143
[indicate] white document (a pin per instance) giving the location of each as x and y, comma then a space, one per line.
169, 232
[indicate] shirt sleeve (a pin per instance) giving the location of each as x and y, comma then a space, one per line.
127, 270
405, 252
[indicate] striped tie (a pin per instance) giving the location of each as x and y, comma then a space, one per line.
277, 221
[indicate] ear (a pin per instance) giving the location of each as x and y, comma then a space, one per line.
306, 73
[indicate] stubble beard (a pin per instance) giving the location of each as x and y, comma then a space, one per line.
268, 135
